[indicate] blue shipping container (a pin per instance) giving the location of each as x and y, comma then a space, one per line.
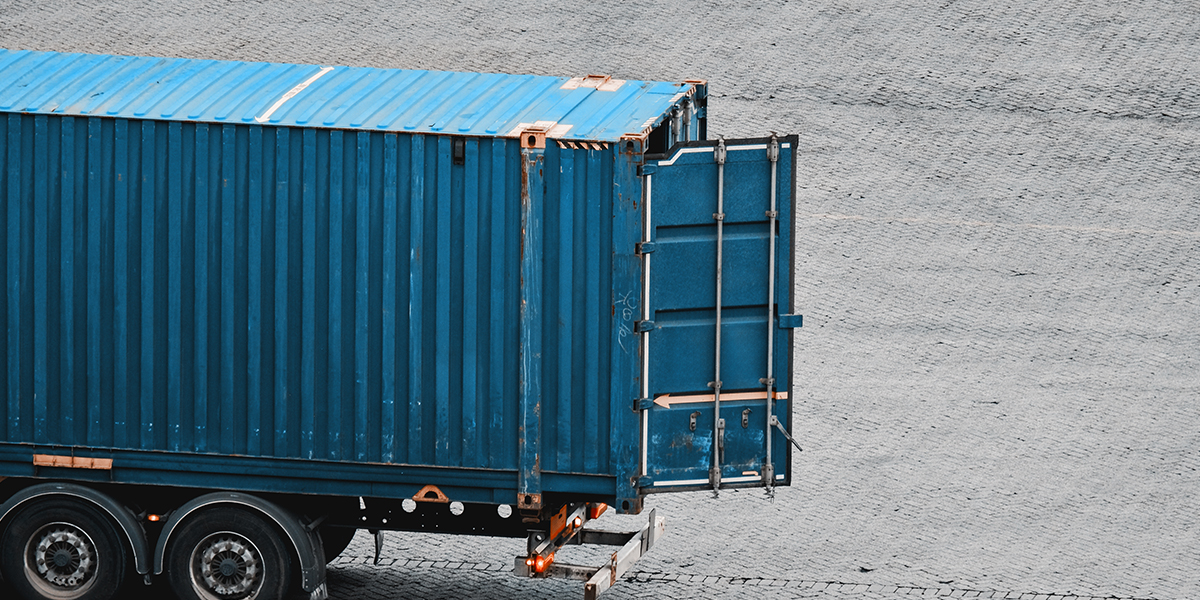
355, 281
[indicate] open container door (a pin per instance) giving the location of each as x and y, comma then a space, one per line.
717, 271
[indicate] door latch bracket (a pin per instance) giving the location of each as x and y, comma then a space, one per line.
791, 321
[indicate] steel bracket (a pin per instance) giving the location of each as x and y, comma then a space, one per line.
791, 321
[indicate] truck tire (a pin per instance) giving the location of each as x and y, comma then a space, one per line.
228, 553
62, 548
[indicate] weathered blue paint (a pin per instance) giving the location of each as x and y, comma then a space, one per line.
350, 296
627, 292
682, 298
351, 98
472, 386
529, 438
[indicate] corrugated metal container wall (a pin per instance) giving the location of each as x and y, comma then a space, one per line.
337, 280
286, 292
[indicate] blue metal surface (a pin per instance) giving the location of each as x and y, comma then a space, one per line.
627, 214
322, 305
278, 292
191, 90
682, 297
529, 438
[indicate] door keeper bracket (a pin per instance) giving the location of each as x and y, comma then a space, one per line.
791, 321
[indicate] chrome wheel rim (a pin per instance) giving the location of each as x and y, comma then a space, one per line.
61, 561
227, 566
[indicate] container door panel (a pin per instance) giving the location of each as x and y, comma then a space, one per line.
693, 229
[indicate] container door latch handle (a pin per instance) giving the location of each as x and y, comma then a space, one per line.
775, 422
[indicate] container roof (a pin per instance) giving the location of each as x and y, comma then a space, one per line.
473, 104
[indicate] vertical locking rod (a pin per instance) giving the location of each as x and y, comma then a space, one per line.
768, 470
647, 231
714, 473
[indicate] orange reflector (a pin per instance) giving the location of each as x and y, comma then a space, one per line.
595, 510
578, 521
72, 462
542, 563
153, 518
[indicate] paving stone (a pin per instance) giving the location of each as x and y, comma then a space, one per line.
998, 260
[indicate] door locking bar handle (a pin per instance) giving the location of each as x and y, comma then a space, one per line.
775, 422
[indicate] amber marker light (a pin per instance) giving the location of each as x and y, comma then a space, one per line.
153, 518
578, 521
595, 510
541, 563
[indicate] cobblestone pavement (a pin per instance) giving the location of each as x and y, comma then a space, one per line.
999, 268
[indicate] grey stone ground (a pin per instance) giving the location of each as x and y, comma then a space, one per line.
999, 266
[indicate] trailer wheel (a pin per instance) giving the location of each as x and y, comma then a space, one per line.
62, 549
228, 553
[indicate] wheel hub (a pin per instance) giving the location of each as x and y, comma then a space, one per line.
63, 556
229, 566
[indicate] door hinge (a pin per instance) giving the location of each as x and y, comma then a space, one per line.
645, 247
644, 170
644, 326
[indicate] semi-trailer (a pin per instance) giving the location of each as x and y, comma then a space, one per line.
251, 308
